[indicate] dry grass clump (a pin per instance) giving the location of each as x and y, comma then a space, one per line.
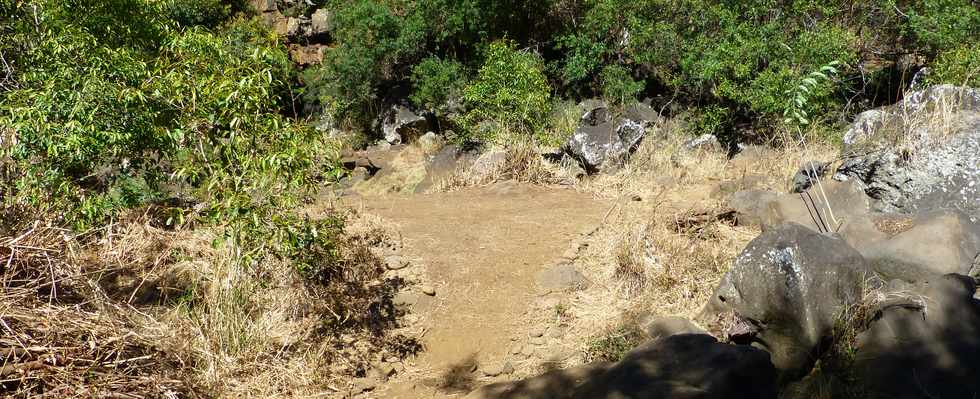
62, 337
139, 311
924, 119
520, 161
662, 167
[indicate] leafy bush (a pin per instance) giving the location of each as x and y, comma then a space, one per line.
367, 33
936, 25
618, 86
712, 119
207, 13
436, 82
99, 129
959, 66
510, 89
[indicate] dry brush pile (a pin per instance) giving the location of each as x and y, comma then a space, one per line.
134, 310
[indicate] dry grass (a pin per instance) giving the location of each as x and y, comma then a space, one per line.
137, 311
669, 238
63, 337
919, 122
519, 161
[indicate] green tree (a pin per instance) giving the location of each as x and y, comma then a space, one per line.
510, 90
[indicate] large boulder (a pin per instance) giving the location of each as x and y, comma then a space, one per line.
603, 140
925, 346
686, 366
920, 154
555, 384
869, 125
920, 247
907, 247
399, 124
785, 292
824, 208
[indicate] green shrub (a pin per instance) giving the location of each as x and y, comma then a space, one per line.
435, 82
959, 66
618, 86
713, 119
510, 90
100, 128
207, 13
936, 25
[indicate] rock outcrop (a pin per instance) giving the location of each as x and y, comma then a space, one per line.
603, 140
907, 247
926, 346
686, 366
920, 154
786, 290
402, 124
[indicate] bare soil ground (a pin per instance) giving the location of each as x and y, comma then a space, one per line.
482, 249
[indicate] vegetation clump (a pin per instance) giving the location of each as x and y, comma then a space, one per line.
732, 61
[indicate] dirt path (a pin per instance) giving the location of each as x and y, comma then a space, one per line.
482, 249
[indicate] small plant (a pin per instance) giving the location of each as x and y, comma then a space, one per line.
795, 112
613, 346
562, 313
795, 115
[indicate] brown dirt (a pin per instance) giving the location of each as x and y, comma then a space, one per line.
482, 249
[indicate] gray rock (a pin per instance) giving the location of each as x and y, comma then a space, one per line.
663, 327
428, 290
920, 154
399, 123
685, 366
562, 277
703, 142
643, 113
864, 126
555, 384
808, 174
442, 165
535, 332
787, 288
297, 27
844, 203
499, 369
602, 141
321, 21
930, 351
430, 140
396, 262
489, 162
933, 244
847, 204
751, 206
